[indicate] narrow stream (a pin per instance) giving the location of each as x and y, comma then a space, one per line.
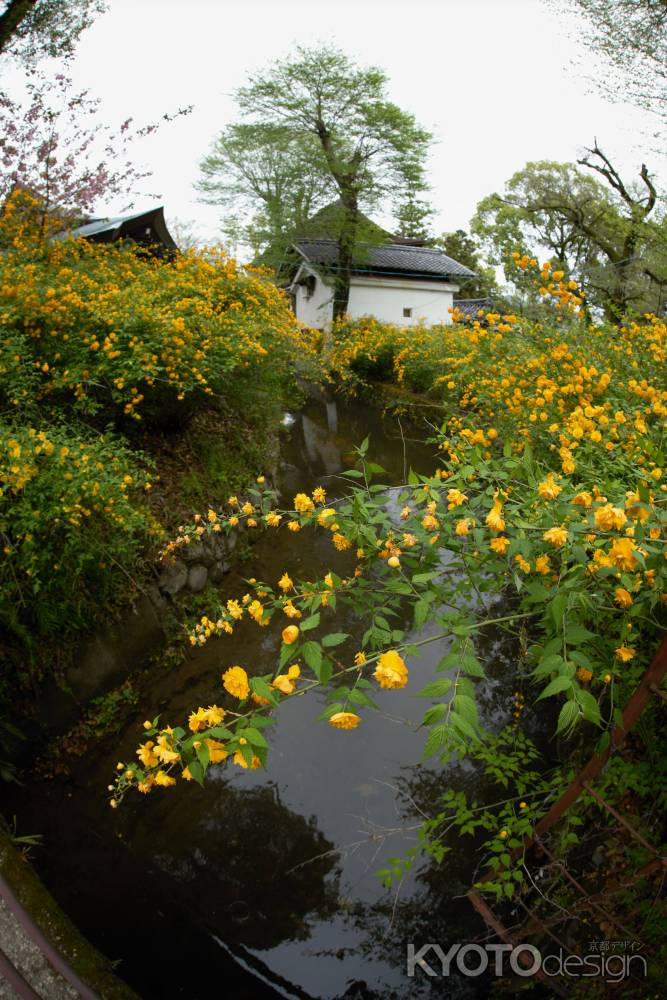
263, 883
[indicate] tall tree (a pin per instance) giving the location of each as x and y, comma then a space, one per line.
273, 178
610, 237
31, 29
631, 36
362, 145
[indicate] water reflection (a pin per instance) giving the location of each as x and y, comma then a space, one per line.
277, 867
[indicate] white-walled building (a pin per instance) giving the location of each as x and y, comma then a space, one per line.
400, 282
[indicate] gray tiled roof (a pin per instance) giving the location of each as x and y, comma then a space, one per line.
388, 259
470, 307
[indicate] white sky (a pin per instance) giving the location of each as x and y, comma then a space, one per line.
493, 79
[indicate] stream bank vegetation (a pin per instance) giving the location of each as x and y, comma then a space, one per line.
123, 377
549, 491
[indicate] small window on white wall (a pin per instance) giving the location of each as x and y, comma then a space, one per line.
407, 313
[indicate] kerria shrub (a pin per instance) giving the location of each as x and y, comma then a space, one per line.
72, 526
116, 334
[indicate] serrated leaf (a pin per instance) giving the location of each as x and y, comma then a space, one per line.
569, 714
436, 739
334, 639
254, 737
312, 654
436, 688
558, 685
310, 623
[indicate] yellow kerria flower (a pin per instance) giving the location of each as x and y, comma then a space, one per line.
548, 489
622, 554
290, 634
285, 583
583, 499
146, 755
607, 518
542, 565
455, 498
462, 527
273, 519
303, 503
216, 751
242, 762
164, 779
360, 658
344, 720
319, 494
494, 518
500, 545
622, 597
325, 515
555, 536
235, 681
522, 563
391, 671
624, 653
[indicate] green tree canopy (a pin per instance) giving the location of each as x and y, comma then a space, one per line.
464, 248
609, 237
313, 127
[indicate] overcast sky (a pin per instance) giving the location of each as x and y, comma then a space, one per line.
494, 80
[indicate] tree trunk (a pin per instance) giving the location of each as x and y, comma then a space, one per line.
346, 242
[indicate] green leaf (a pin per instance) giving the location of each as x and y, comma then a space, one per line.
334, 639
310, 623
358, 697
220, 733
557, 685
464, 726
425, 577
575, 634
254, 737
330, 710
569, 714
197, 771
437, 738
434, 714
312, 654
363, 447
589, 706
436, 688
421, 613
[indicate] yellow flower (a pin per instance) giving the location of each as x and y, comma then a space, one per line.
391, 671
235, 681
548, 489
500, 545
542, 565
624, 653
462, 526
242, 762
583, 499
164, 750
162, 778
344, 720
555, 536
319, 494
294, 526
405, 513
273, 519
360, 658
584, 675
285, 583
247, 508
455, 498
341, 542
522, 563
283, 683
216, 751
325, 515
290, 634
494, 518
609, 517
303, 503
430, 522
622, 554
394, 562
146, 755
622, 597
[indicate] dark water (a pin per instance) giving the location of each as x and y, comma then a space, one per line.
263, 883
